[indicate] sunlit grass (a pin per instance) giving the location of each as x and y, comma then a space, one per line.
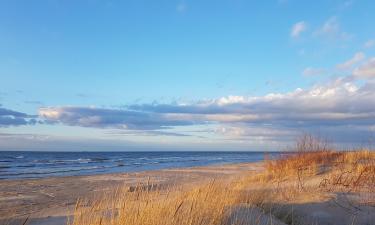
311, 170
207, 204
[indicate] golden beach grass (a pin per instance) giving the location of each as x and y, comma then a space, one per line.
309, 172
207, 204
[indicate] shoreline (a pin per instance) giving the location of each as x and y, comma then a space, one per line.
218, 164
35, 165
311, 188
49, 200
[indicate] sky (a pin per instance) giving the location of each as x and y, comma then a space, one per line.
100, 75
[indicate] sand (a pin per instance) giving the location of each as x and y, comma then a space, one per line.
51, 200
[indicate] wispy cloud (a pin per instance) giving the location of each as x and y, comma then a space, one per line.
26, 136
33, 102
298, 29
310, 71
256, 133
147, 133
357, 58
369, 43
109, 118
331, 30
366, 70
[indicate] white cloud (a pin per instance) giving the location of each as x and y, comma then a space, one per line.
330, 27
369, 43
310, 71
298, 29
343, 108
338, 103
366, 70
358, 57
265, 135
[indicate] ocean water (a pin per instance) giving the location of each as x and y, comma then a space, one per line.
23, 165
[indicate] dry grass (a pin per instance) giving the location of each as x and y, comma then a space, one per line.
314, 166
300, 164
309, 157
352, 172
283, 181
207, 204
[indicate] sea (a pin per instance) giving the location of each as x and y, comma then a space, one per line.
29, 165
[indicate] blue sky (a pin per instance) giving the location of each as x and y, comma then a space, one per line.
231, 75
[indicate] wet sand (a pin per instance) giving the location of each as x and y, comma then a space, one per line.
50, 200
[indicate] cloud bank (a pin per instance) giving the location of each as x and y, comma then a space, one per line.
109, 118
10, 117
341, 104
343, 108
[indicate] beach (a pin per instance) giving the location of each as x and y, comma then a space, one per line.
187, 112
51, 200
324, 187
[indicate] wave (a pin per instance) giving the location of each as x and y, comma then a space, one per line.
40, 164
69, 161
51, 172
5, 167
